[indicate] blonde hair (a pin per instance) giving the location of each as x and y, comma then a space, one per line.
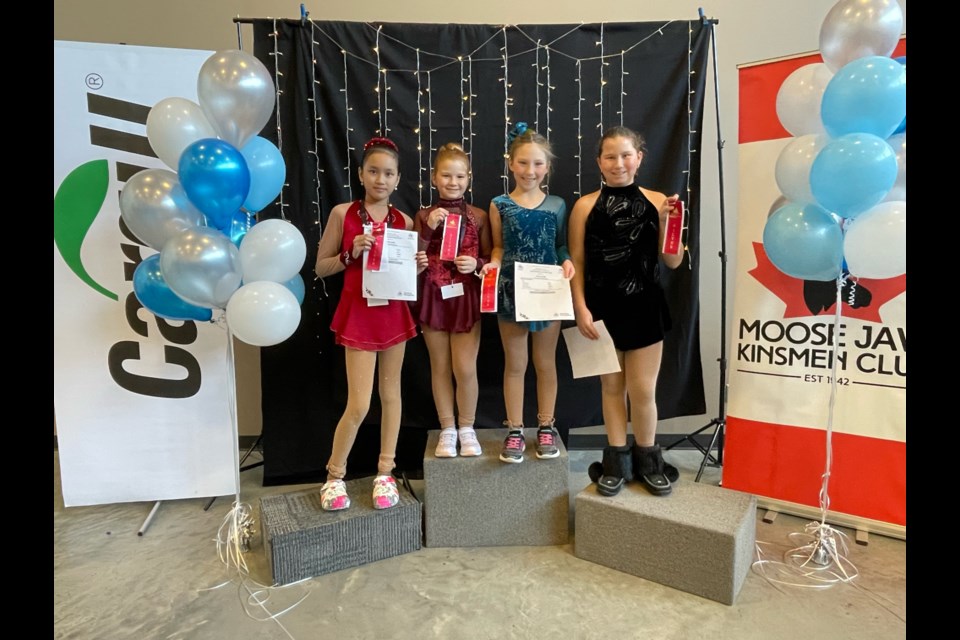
451, 151
530, 136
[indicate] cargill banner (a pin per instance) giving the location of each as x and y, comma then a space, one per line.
141, 403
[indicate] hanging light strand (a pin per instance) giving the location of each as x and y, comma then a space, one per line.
506, 110
346, 111
419, 133
277, 75
317, 139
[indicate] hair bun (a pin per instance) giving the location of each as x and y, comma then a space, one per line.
381, 142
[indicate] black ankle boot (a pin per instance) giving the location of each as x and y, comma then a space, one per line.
670, 471
613, 472
650, 469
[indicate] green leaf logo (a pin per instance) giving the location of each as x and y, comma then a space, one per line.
75, 207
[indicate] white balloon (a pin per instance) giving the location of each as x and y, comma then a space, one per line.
237, 95
792, 171
272, 250
173, 124
875, 242
263, 313
858, 28
899, 190
798, 100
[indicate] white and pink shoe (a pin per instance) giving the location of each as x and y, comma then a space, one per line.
385, 494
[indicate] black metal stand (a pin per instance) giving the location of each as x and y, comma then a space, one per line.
719, 423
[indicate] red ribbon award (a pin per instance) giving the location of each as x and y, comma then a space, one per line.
488, 290
451, 237
672, 237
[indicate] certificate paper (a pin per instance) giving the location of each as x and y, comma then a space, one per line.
399, 280
591, 357
541, 292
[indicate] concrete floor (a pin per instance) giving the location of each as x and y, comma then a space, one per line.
111, 583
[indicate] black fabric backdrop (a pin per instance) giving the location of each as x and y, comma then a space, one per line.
303, 379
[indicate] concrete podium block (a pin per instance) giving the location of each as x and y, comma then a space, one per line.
483, 502
699, 539
303, 541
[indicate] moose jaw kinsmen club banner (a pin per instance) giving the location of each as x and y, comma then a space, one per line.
782, 349
140, 402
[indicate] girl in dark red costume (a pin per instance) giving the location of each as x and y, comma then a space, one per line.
615, 238
448, 306
369, 334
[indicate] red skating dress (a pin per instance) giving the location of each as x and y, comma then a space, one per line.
356, 324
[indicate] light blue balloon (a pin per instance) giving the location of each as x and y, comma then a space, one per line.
240, 223
154, 294
267, 173
216, 178
852, 173
804, 241
903, 125
868, 95
297, 287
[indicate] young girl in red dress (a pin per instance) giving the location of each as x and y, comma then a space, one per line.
369, 334
448, 307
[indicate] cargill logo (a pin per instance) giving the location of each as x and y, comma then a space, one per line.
76, 205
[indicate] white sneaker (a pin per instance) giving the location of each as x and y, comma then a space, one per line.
447, 446
469, 446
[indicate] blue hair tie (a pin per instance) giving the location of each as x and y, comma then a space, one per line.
518, 130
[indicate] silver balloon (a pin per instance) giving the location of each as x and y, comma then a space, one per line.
237, 95
173, 124
155, 207
899, 190
792, 171
858, 28
201, 266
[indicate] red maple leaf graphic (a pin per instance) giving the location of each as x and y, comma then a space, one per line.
790, 290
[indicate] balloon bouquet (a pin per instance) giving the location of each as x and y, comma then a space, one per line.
843, 177
843, 208
201, 218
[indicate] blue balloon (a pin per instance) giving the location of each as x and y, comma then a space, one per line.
868, 95
240, 223
154, 294
216, 178
297, 287
903, 125
267, 173
852, 173
804, 241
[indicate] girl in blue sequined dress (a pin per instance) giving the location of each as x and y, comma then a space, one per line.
528, 226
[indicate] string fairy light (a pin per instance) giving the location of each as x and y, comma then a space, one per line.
463, 104
346, 110
379, 111
623, 83
684, 232
316, 123
430, 130
550, 89
603, 63
277, 74
579, 130
472, 113
419, 133
386, 105
536, 65
506, 109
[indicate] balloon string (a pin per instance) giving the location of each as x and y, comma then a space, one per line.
237, 529
820, 561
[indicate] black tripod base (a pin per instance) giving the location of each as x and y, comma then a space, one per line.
716, 441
